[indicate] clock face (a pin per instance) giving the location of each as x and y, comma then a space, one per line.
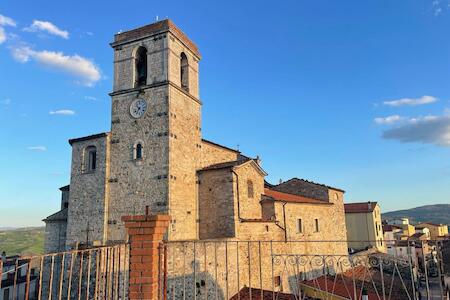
138, 108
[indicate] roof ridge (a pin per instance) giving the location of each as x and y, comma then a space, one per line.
312, 182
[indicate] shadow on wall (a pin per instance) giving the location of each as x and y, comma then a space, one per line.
202, 283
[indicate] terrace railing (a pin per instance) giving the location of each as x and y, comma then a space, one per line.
97, 273
303, 270
227, 269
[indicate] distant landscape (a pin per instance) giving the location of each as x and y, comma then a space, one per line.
438, 213
22, 241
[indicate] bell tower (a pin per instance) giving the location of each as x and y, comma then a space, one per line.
155, 129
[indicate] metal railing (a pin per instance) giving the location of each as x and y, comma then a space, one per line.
227, 269
97, 273
303, 270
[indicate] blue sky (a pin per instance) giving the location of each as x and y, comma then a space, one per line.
353, 94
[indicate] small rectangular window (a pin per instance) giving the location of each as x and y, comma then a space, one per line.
92, 160
277, 281
299, 226
6, 294
316, 225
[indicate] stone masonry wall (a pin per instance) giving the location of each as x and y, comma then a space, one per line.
55, 237
87, 193
216, 209
250, 207
212, 154
135, 184
184, 145
174, 74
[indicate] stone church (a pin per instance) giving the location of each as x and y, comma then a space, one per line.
154, 157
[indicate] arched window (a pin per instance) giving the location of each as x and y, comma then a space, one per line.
250, 189
138, 151
184, 72
141, 66
90, 159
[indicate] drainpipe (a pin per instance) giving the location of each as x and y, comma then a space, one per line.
284, 221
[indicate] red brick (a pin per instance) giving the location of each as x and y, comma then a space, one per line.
144, 252
135, 259
134, 273
146, 280
143, 237
149, 287
132, 224
135, 288
158, 218
150, 259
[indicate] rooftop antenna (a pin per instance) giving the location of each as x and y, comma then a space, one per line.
157, 18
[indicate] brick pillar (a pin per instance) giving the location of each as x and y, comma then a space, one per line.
145, 233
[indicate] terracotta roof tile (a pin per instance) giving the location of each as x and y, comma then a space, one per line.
280, 196
244, 294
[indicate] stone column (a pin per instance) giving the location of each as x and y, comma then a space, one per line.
145, 233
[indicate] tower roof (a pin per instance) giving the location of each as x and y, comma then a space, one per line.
153, 29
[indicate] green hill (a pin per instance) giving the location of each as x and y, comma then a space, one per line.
24, 241
438, 213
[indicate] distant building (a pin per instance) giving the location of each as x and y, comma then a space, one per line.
14, 274
407, 229
423, 231
363, 221
398, 221
437, 231
391, 234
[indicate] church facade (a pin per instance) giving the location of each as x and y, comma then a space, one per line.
154, 158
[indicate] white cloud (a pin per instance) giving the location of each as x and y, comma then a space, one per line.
47, 27
6, 101
426, 130
76, 65
37, 148
6, 21
2, 35
388, 120
411, 101
64, 112
90, 98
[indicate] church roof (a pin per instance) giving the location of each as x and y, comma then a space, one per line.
58, 216
224, 165
360, 207
89, 137
65, 188
300, 180
234, 164
285, 197
220, 146
154, 29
